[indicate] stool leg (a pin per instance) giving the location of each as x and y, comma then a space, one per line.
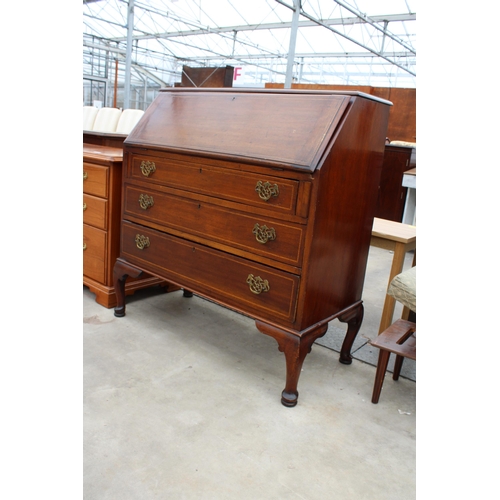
397, 367
383, 361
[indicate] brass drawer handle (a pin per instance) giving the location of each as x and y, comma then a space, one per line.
263, 234
141, 241
84, 207
148, 168
85, 246
85, 176
146, 201
257, 284
266, 190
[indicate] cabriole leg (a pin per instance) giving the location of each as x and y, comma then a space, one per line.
121, 272
295, 349
353, 318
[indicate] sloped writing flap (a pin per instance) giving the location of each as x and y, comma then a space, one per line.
279, 128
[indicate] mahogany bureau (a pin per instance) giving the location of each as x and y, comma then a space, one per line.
259, 200
102, 180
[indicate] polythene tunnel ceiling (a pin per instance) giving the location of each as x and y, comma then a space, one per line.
345, 42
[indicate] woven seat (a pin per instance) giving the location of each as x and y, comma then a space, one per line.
403, 288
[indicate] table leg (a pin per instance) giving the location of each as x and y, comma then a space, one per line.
390, 302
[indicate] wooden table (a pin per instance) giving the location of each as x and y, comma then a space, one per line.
400, 238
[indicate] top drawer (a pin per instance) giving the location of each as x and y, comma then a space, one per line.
95, 180
243, 187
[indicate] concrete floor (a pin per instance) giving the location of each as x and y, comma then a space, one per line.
182, 401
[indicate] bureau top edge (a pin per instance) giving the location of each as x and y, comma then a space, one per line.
237, 90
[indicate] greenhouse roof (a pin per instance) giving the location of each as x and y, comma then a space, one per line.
347, 42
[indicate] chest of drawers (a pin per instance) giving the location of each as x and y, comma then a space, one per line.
102, 182
261, 201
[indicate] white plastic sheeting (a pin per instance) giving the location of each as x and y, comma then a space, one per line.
348, 42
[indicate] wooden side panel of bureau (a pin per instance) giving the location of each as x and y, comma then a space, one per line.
102, 182
261, 201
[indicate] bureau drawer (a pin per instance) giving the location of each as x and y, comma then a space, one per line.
94, 252
221, 276
282, 241
242, 187
95, 211
95, 180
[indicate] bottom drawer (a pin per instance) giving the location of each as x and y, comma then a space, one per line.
94, 253
249, 287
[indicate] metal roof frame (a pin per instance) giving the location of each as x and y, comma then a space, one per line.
347, 42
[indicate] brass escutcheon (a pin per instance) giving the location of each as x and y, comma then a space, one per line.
257, 284
141, 241
148, 168
263, 234
85, 176
266, 190
146, 201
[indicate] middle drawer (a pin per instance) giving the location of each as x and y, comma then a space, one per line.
278, 240
95, 211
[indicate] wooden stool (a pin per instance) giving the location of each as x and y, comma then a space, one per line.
399, 339
400, 238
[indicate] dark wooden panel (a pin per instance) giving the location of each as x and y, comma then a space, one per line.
403, 117
402, 125
207, 77
392, 194
104, 139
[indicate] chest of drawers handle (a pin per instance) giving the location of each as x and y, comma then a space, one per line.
263, 234
146, 201
85, 176
265, 190
85, 246
257, 284
84, 207
148, 168
141, 241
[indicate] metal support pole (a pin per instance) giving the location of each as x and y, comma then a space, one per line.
293, 40
128, 57
115, 95
301, 67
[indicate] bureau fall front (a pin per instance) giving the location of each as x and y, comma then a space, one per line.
259, 200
